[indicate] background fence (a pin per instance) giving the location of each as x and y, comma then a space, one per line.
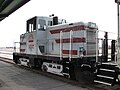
7, 52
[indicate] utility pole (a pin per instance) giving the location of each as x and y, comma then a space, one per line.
118, 3
118, 43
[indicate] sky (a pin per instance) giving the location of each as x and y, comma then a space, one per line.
102, 12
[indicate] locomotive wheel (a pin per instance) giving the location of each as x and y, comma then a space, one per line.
29, 65
18, 62
84, 76
87, 77
44, 68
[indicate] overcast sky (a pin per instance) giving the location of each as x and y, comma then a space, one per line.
102, 12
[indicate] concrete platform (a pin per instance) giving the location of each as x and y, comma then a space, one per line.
13, 78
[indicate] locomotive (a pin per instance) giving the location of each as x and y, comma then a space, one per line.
67, 49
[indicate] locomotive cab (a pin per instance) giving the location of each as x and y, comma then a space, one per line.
38, 23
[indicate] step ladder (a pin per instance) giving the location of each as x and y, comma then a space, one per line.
107, 73
66, 68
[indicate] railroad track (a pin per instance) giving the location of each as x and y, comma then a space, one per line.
73, 82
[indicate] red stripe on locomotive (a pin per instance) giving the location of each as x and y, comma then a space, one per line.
73, 52
74, 40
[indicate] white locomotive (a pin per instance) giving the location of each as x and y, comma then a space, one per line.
59, 47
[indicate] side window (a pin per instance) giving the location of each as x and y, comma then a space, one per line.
31, 25
50, 23
41, 24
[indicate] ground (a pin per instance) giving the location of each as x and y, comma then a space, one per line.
13, 78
